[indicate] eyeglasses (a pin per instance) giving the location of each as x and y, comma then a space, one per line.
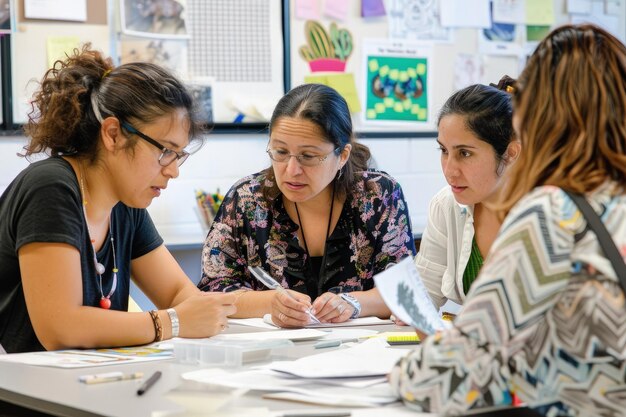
279, 155
167, 155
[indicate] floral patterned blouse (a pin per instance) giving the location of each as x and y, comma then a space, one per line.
373, 231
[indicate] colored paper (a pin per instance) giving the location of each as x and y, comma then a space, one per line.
58, 46
344, 84
307, 9
337, 9
539, 12
396, 82
372, 8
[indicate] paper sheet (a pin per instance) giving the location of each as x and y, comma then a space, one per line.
406, 296
465, 13
76, 358
310, 390
371, 358
293, 334
361, 321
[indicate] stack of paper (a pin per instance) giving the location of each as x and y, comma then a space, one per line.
349, 377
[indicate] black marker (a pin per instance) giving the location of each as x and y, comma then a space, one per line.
150, 382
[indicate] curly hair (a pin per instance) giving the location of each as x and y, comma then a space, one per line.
570, 112
63, 119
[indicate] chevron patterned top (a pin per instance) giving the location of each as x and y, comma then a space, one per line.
531, 325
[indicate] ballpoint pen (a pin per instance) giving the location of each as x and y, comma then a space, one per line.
266, 279
149, 382
109, 377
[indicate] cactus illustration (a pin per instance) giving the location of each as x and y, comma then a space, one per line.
342, 42
324, 51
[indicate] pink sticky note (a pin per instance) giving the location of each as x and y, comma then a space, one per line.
307, 9
337, 9
372, 8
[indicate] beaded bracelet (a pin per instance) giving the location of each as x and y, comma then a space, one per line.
158, 327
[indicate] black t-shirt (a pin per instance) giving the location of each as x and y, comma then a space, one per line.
43, 204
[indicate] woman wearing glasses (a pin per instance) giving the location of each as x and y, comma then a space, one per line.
318, 221
73, 227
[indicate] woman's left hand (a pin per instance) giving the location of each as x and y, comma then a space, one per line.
331, 308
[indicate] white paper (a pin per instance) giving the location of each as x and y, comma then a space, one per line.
360, 321
373, 357
465, 13
416, 20
406, 296
607, 21
75, 10
509, 11
254, 322
579, 6
310, 390
293, 334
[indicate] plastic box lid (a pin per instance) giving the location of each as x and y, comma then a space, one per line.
227, 353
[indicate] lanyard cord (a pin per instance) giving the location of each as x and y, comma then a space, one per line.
330, 220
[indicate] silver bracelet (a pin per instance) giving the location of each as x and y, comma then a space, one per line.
174, 320
350, 299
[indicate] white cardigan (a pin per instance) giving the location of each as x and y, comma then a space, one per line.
445, 248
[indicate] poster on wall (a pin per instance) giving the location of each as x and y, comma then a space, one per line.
397, 83
154, 18
168, 53
417, 20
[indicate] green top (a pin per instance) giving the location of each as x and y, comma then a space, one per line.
474, 263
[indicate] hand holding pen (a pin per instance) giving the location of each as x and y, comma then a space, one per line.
288, 307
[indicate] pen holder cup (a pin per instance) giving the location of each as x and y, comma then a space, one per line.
205, 218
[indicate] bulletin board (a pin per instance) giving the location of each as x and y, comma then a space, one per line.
396, 86
229, 53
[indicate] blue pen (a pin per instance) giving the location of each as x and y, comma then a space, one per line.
265, 278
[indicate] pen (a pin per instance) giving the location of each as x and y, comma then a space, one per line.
332, 343
149, 382
109, 377
265, 279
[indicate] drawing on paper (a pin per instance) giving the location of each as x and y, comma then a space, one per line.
326, 51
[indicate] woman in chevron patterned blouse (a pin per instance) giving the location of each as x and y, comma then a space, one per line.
514, 338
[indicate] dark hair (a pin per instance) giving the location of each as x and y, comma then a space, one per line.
63, 119
327, 109
488, 113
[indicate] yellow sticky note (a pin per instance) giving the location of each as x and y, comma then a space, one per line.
344, 84
539, 12
58, 46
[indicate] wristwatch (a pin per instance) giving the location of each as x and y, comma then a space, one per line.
350, 299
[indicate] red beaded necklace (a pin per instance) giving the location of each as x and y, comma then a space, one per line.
105, 301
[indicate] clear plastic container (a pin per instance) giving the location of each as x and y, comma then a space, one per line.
225, 353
